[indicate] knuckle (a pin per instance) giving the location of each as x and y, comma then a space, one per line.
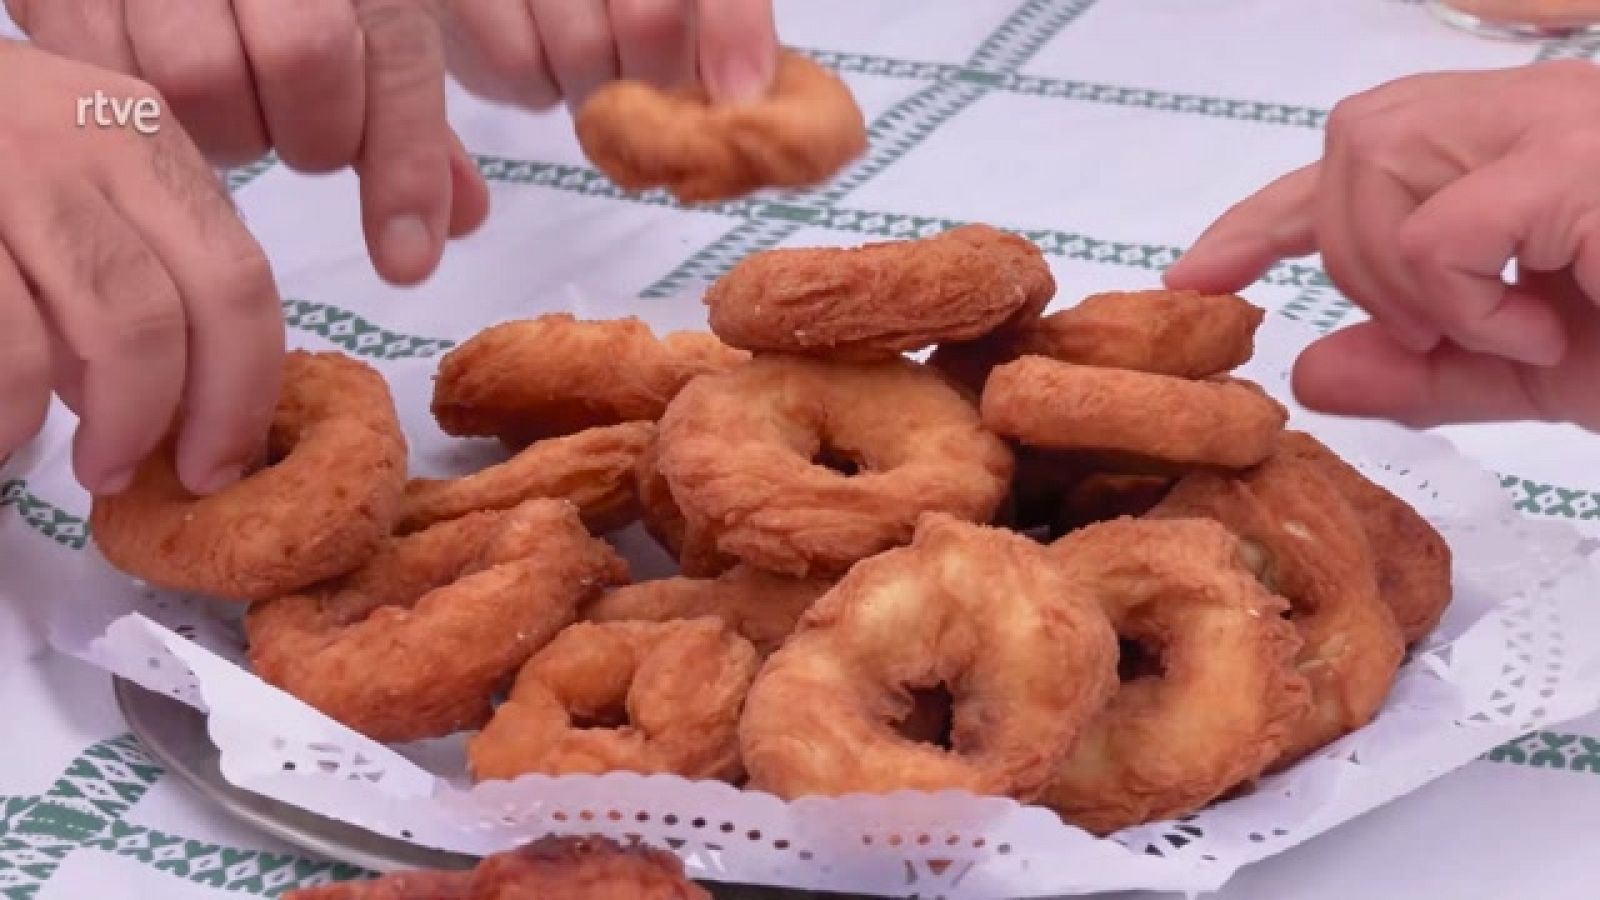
403, 34
412, 172
1419, 246
194, 72
303, 52
1579, 146
647, 19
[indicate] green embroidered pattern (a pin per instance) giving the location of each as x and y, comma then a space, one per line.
1549, 500
85, 809
1321, 308
1549, 750
214, 865
357, 335
37, 833
42, 516
238, 178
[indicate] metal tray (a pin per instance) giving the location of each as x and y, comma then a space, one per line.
175, 734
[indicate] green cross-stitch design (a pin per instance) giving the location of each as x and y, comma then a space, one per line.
1574, 49
44, 517
1549, 500
232, 869
1550, 750
1320, 308
238, 178
86, 808
357, 335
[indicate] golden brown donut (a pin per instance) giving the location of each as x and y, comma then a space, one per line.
1027, 656
1225, 697
556, 375
1310, 548
414, 644
324, 505
637, 696
1054, 405
801, 134
1183, 334
737, 449
1414, 562
762, 607
880, 300
551, 868
593, 470
694, 547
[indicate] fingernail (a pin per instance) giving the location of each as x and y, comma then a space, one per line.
741, 79
220, 479
406, 239
114, 483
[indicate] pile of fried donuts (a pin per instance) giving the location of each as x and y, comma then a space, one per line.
1068, 559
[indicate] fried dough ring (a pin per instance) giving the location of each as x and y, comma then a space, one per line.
414, 644
325, 505
693, 548
1053, 405
882, 299
559, 868
1312, 551
761, 607
737, 450
681, 685
593, 470
801, 134
1227, 698
555, 375
1027, 656
1414, 561
1183, 334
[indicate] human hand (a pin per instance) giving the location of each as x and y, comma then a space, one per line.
329, 84
1428, 189
536, 53
128, 286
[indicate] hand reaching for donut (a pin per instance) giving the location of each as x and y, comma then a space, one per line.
128, 286
536, 53
1429, 187
328, 84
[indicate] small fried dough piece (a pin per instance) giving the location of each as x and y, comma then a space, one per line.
1027, 656
593, 470
672, 689
414, 644
1052, 405
802, 133
1183, 334
737, 450
760, 606
881, 299
551, 868
1225, 699
555, 375
1414, 561
1311, 550
324, 505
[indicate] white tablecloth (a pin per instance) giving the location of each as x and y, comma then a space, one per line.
1109, 132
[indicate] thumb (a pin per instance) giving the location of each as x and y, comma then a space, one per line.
1360, 371
1274, 223
738, 48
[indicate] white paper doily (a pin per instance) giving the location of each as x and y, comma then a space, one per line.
1516, 652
